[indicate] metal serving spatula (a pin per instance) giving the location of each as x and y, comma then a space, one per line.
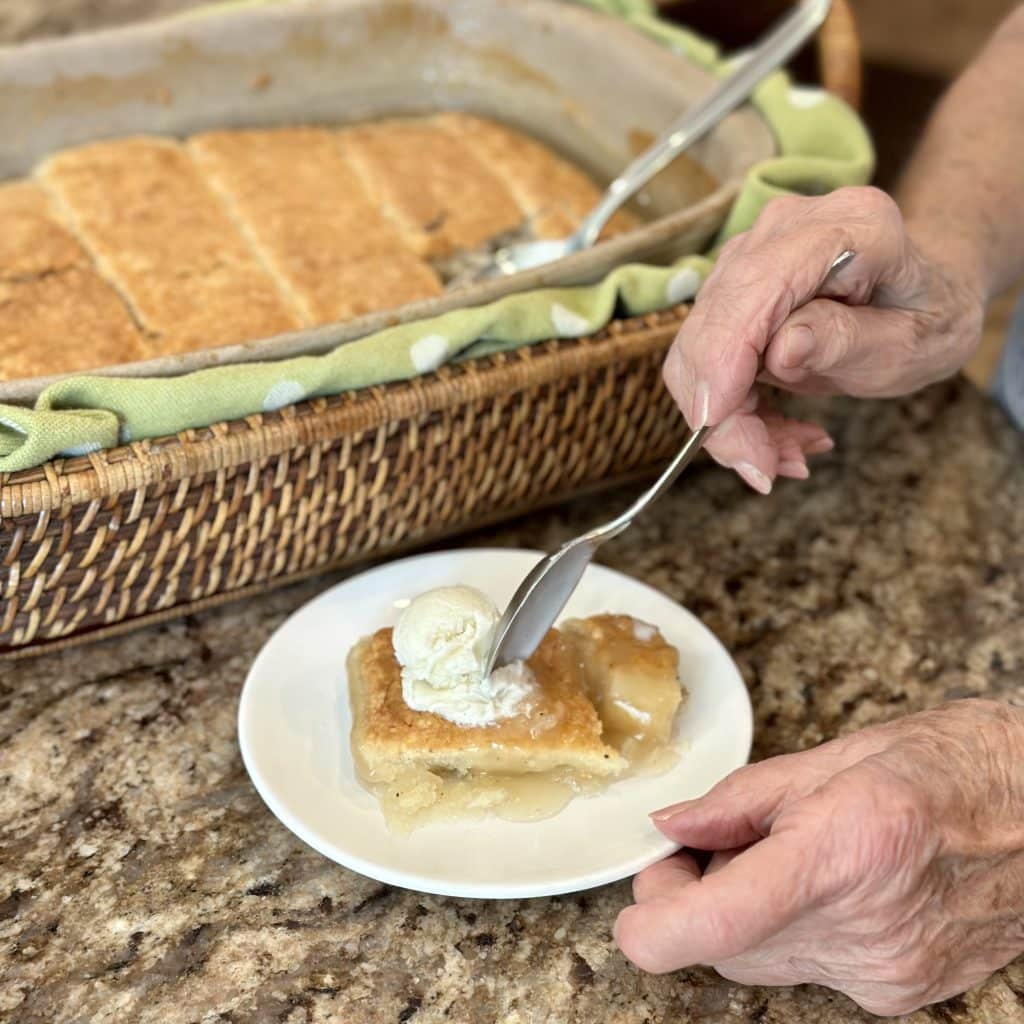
543, 594
770, 53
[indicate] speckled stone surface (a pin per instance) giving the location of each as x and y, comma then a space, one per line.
142, 879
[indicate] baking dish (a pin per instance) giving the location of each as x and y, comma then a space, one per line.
576, 79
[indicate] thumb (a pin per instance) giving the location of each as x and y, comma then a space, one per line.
860, 350
723, 914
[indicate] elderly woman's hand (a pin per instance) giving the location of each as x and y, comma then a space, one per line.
892, 321
888, 864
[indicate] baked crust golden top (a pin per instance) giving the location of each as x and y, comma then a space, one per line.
330, 249
56, 313
443, 196
553, 193
231, 236
33, 241
160, 235
560, 729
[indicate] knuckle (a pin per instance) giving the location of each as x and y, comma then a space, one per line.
724, 937
882, 204
760, 273
781, 209
729, 257
731, 788
981, 723
988, 710
903, 821
868, 199
835, 332
878, 832
736, 781
757, 266
906, 966
749, 780
687, 348
840, 324
966, 749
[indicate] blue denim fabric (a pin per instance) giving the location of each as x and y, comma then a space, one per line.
1008, 384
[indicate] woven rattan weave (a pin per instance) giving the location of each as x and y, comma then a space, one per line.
158, 528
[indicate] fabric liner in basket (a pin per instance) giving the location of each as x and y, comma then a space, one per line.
822, 145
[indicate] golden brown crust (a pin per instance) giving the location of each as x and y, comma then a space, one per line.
32, 240
305, 208
56, 314
63, 323
140, 247
441, 196
562, 728
553, 192
160, 234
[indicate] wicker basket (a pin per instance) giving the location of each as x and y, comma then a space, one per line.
94, 544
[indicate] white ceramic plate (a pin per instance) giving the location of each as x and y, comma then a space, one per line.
294, 722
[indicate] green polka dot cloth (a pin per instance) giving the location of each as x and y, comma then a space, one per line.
822, 145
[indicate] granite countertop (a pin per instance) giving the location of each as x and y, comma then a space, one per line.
142, 879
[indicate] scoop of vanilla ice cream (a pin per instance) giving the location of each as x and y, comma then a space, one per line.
441, 641
444, 635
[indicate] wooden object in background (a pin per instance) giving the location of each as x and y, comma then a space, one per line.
932, 37
735, 25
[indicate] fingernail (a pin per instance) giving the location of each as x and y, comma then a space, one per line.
825, 444
671, 811
795, 469
701, 403
797, 346
753, 476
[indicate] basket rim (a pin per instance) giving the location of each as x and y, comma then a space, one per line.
129, 625
64, 483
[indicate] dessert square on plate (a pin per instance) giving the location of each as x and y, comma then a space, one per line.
632, 676
296, 738
558, 729
603, 702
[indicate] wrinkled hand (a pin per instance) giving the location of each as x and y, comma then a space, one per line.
888, 865
889, 323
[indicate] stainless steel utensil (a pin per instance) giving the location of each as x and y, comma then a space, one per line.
543, 594
770, 53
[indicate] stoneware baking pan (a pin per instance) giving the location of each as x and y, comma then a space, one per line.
593, 88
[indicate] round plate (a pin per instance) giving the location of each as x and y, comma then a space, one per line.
294, 724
